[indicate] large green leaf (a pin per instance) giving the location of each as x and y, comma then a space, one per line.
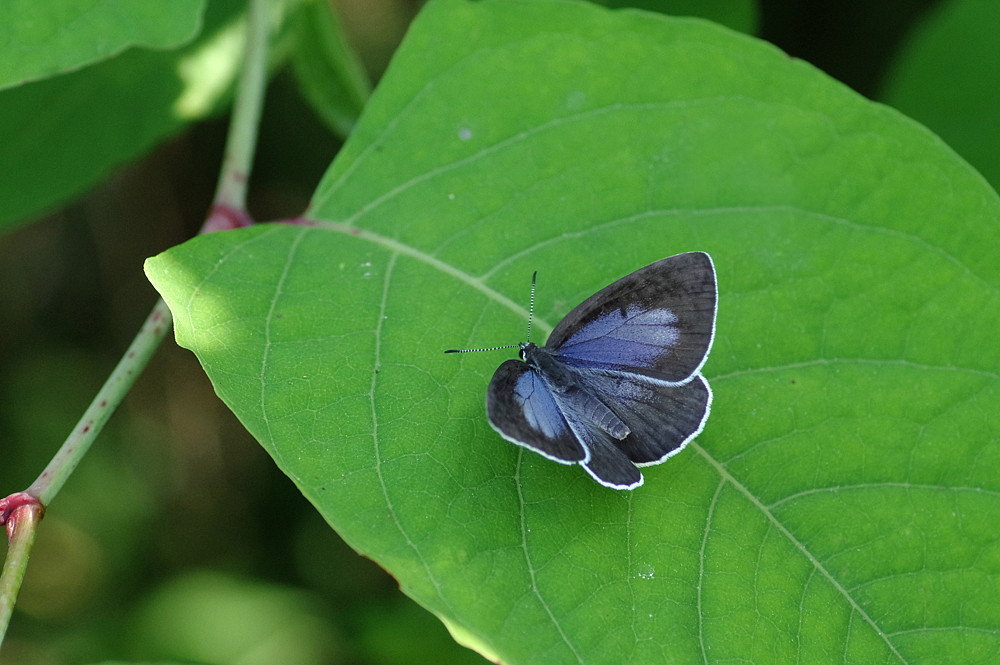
841, 505
42, 39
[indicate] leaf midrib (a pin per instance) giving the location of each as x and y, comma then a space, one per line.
817, 565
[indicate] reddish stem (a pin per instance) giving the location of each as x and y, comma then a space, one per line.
11, 507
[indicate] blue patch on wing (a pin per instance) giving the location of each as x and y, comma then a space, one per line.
539, 408
619, 340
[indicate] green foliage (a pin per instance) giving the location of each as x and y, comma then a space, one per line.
65, 133
739, 15
327, 69
210, 618
68, 34
840, 505
948, 76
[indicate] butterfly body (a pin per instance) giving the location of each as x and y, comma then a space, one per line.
618, 384
563, 380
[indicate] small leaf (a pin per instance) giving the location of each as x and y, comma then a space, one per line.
840, 505
332, 79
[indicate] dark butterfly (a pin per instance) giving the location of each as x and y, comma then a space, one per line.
619, 384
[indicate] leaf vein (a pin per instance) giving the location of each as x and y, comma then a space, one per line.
816, 563
532, 579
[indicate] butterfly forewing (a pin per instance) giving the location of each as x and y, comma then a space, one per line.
657, 322
523, 411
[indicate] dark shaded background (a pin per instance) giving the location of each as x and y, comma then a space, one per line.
175, 484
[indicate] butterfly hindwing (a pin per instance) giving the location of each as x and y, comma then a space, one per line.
662, 418
608, 465
657, 322
522, 410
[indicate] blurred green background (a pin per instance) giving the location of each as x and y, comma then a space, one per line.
176, 537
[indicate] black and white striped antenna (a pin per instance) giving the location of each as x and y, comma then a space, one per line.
531, 313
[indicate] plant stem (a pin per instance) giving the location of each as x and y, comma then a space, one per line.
51, 480
26, 520
242, 138
228, 211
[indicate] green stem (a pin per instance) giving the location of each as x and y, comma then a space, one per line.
243, 127
22, 538
51, 480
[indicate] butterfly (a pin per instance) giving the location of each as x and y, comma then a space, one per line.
618, 384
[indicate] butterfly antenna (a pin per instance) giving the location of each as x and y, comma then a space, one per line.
531, 312
531, 304
492, 348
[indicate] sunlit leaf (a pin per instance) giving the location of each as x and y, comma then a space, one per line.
841, 504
